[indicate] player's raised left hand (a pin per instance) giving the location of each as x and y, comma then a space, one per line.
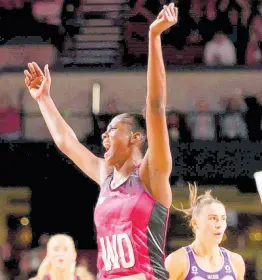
166, 18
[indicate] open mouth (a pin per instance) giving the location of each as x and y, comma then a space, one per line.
107, 148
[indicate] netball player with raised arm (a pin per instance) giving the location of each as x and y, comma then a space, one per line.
204, 259
135, 195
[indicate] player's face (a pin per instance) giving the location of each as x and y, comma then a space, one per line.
61, 252
116, 140
211, 223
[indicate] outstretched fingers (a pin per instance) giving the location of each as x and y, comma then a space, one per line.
27, 82
28, 75
37, 69
32, 70
47, 73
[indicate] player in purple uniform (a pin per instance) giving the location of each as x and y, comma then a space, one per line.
204, 259
133, 207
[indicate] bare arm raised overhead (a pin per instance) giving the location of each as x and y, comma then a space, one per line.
158, 160
39, 84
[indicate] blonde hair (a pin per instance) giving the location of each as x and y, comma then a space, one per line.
45, 267
196, 203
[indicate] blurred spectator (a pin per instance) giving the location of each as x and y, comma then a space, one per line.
232, 123
24, 267
220, 51
202, 123
9, 119
194, 38
223, 5
38, 254
194, 28
48, 12
211, 11
233, 20
177, 127
253, 52
238, 34
245, 11
256, 27
173, 126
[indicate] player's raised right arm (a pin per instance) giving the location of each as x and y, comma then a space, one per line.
63, 135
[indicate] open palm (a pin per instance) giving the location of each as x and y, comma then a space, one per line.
36, 81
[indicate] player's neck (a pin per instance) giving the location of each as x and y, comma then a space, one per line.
205, 250
62, 275
126, 167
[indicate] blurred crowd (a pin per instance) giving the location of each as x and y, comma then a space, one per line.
238, 118
233, 118
39, 22
211, 32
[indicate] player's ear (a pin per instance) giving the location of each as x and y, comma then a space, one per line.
136, 138
194, 224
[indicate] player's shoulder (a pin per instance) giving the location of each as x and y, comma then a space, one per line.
234, 257
105, 171
177, 258
177, 264
237, 261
